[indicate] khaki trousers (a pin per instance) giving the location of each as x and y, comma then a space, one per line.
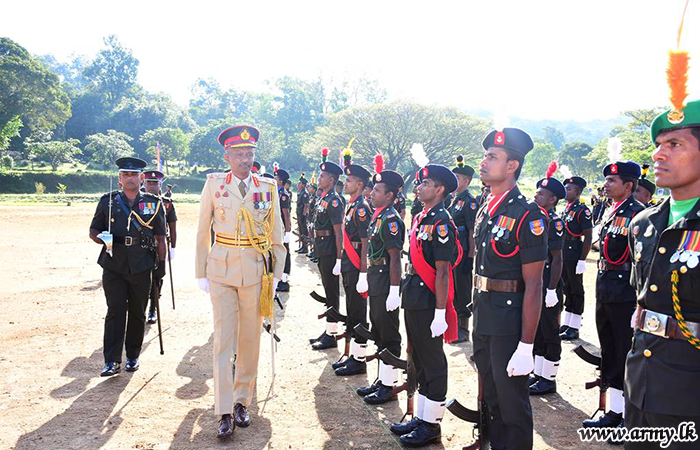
237, 328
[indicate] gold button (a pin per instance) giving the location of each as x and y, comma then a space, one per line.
662, 250
684, 269
638, 256
647, 353
654, 288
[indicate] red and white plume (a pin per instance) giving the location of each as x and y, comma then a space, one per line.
553, 166
378, 163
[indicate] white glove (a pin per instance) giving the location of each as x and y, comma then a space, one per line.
171, 254
287, 237
275, 282
551, 299
336, 268
439, 324
393, 301
522, 362
633, 320
580, 267
362, 285
203, 284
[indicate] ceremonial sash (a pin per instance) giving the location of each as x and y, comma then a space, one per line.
428, 274
350, 250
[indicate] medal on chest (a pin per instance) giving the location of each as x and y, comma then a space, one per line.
504, 225
688, 250
620, 225
262, 200
425, 232
460, 205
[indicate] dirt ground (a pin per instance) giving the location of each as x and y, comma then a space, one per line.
51, 394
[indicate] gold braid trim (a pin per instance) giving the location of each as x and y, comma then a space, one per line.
262, 243
695, 342
141, 221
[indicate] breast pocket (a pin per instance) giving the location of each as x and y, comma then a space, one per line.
216, 262
504, 248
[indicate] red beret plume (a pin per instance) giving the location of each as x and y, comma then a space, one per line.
378, 163
324, 153
553, 166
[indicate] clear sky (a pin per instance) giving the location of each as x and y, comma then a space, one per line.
535, 59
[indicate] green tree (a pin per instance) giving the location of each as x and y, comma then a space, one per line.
56, 152
554, 136
174, 145
538, 159
113, 71
9, 131
107, 148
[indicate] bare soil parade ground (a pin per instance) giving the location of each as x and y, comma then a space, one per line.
51, 394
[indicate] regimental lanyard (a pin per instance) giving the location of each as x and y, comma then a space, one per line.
688, 250
504, 225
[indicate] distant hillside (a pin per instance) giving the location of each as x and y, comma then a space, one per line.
590, 132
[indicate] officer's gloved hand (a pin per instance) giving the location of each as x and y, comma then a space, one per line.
287, 237
522, 362
203, 284
362, 285
336, 268
171, 254
160, 271
439, 324
551, 299
580, 267
393, 301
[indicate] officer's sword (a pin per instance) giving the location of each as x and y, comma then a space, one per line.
107, 237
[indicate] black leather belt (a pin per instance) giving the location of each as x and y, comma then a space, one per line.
568, 237
379, 262
607, 267
484, 284
462, 228
322, 233
664, 325
126, 240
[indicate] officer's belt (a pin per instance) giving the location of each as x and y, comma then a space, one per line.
322, 233
462, 228
568, 237
484, 284
379, 262
356, 245
228, 240
607, 267
126, 240
663, 325
410, 270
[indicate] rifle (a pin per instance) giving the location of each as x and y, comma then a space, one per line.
156, 293
170, 269
409, 369
481, 420
333, 314
365, 333
318, 297
598, 363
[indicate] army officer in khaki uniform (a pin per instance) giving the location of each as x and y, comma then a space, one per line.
245, 261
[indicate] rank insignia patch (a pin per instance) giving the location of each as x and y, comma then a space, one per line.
334, 202
442, 230
394, 227
537, 227
559, 225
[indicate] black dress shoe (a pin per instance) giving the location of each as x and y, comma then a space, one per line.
424, 434
226, 427
314, 260
132, 365
608, 420
352, 367
543, 387
320, 336
152, 316
111, 368
563, 328
240, 415
367, 390
338, 364
382, 395
282, 286
569, 335
303, 251
405, 428
532, 379
324, 343
621, 441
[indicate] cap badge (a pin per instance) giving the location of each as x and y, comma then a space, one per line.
613, 168
245, 134
675, 117
545, 182
425, 172
500, 138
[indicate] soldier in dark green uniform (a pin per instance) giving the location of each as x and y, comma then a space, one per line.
312, 189
511, 250
663, 365
463, 211
614, 296
578, 236
282, 176
329, 246
427, 299
645, 188
135, 243
302, 210
547, 340
354, 268
387, 233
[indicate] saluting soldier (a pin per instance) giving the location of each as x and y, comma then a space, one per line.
328, 238
662, 367
427, 301
240, 271
302, 210
282, 176
645, 188
133, 247
614, 296
547, 340
511, 250
578, 237
463, 211
152, 182
386, 239
354, 266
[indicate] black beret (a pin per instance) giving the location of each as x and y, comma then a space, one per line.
554, 186
648, 185
153, 175
331, 167
355, 170
623, 168
256, 166
268, 175
303, 180
239, 136
513, 139
390, 178
282, 174
578, 181
463, 169
439, 172
130, 164
370, 184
